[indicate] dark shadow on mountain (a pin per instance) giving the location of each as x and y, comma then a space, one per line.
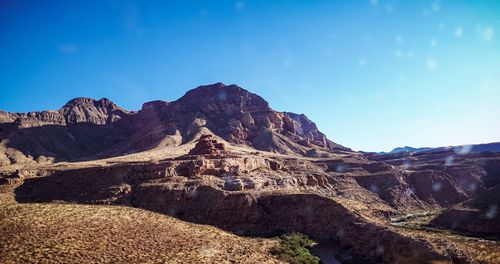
87, 186
75, 142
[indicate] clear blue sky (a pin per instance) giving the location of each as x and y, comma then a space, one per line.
373, 75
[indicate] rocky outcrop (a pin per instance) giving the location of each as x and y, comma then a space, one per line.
88, 110
206, 145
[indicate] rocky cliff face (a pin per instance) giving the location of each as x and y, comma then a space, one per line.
245, 118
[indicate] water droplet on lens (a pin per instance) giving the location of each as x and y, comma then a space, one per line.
406, 164
341, 168
462, 150
222, 96
448, 161
374, 188
436, 186
380, 250
492, 212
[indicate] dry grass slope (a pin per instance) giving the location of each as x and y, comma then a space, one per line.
62, 233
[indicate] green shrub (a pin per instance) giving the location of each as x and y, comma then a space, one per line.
294, 248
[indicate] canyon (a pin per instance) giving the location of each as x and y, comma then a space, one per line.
221, 156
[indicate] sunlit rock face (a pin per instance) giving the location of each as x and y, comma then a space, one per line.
87, 110
242, 117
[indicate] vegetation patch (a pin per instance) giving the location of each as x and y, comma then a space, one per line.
63, 233
419, 216
294, 248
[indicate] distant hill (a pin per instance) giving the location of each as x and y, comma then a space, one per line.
409, 149
461, 149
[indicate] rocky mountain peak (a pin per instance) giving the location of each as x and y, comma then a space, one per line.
88, 110
86, 101
223, 98
241, 117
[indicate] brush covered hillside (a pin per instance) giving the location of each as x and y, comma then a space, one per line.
62, 233
221, 156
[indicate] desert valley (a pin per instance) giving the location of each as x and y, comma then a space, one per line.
218, 175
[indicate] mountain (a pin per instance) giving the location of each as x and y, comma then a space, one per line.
409, 149
85, 128
490, 147
478, 148
221, 156
81, 128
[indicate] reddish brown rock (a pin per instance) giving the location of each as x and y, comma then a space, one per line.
207, 145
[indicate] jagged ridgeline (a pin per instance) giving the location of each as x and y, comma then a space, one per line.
85, 128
